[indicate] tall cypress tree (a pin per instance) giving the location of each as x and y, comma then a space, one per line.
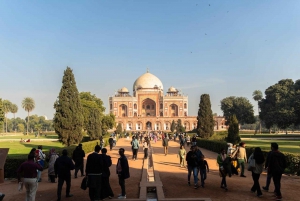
94, 129
205, 125
173, 126
1, 116
233, 131
68, 118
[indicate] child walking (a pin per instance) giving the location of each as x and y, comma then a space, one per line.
203, 166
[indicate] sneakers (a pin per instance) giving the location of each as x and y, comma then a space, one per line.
265, 188
242, 175
196, 186
278, 198
259, 196
189, 183
122, 197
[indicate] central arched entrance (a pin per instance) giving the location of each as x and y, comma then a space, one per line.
148, 108
148, 125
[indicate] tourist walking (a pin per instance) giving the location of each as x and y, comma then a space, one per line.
145, 147
122, 171
111, 142
94, 170
203, 166
165, 143
63, 166
134, 147
1, 196
241, 158
276, 166
269, 175
192, 162
29, 170
256, 162
106, 189
181, 154
220, 160
194, 140
51, 161
40, 158
78, 157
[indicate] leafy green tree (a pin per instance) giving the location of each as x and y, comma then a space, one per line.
108, 122
6, 108
296, 101
90, 102
257, 96
240, 107
1, 115
28, 105
173, 126
21, 127
119, 129
38, 128
68, 118
94, 129
179, 126
277, 108
233, 131
205, 125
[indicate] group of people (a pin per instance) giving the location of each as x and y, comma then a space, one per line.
97, 171
196, 164
275, 164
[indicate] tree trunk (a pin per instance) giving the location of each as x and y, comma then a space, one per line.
27, 122
6, 123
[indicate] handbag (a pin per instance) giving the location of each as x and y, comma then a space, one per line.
84, 183
251, 164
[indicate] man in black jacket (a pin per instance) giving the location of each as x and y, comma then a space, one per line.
94, 170
122, 171
277, 164
78, 155
63, 166
193, 163
106, 189
111, 142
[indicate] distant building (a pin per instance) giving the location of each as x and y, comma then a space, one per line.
149, 108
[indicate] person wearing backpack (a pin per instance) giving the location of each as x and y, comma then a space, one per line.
135, 147
276, 166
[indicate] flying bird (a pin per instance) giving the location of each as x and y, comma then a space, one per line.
208, 4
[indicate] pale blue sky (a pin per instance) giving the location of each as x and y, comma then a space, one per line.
223, 48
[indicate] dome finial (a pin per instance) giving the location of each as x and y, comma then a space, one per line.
147, 70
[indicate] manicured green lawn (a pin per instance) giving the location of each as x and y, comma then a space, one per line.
292, 146
18, 148
270, 136
31, 136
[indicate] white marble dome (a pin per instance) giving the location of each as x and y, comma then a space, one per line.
148, 81
124, 90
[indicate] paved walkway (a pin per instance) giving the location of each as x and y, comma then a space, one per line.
173, 177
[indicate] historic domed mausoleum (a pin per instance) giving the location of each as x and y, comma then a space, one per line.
148, 108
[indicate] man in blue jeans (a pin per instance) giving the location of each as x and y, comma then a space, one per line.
192, 162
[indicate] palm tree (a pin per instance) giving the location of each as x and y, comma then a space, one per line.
6, 108
28, 105
257, 96
14, 109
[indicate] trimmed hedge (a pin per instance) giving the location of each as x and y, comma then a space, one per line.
13, 162
293, 160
